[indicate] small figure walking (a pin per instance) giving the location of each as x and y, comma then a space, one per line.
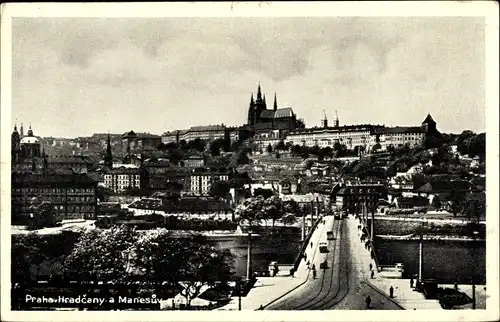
411, 282
371, 266
372, 274
391, 292
314, 272
368, 301
311, 244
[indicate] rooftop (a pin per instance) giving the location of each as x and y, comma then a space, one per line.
29, 179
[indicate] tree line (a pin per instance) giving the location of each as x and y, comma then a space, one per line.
122, 256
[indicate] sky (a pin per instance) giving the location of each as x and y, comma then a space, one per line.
78, 76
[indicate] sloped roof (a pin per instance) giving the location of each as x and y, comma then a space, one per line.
30, 179
279, 113
207, 128
400, 129
445, 186
429, 119
129, 134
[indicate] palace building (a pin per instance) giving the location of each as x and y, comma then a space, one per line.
364, 137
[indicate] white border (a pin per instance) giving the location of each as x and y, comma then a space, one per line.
487, 9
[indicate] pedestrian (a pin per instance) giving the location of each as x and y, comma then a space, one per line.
368, 301
308, 263
305, 256
456, 286
372, 274
411, 282
314, 272
371, 266
391, 292
311, 244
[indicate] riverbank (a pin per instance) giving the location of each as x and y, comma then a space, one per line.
430, 237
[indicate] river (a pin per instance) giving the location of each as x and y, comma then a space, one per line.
280, 248
445, 261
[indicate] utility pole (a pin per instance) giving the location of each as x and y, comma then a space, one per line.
420, 257
473, 296
303, 225
371, 226
239, 294
312, 213
249, 255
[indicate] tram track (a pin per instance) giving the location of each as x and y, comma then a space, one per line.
319, 297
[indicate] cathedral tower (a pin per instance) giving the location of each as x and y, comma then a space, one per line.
108, 157
251, 111
16, 145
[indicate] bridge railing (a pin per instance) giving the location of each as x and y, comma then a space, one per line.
305, 242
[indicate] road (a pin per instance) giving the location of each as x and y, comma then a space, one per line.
341, 286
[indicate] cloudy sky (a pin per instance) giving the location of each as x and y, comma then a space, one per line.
76, 76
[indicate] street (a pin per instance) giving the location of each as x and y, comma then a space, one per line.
341, 285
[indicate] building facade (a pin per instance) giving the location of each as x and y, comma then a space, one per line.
366, 137
201, 181
132, 140
73, 195
351, 136
122, 179
78, 164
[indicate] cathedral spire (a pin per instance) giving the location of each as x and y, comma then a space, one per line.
251, 99
108, 157
275, 106
264, 101
259, 94
22, 129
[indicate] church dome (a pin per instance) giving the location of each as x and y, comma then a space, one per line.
30, 140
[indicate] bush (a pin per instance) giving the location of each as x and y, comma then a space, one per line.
451, 300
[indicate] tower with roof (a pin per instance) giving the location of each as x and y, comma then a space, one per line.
429, 125
108, 156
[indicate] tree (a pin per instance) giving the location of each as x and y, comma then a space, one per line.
175, 155
327, 152
43, 213
216, 146
292, 207
474, 205
220, 189
204, 265
266, 193
281, 146
103, 193
477, 146
26, 254
273, 209
295, 149
456, 201
436, 202
249, 213
102, 255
